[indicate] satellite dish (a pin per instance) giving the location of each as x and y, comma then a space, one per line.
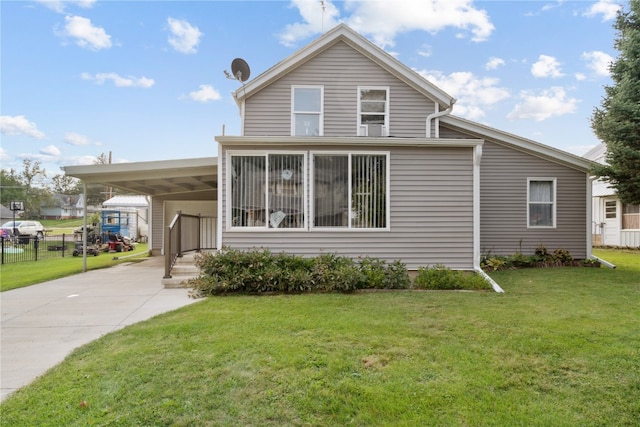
240, 69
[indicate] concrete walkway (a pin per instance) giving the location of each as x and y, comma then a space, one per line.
42, 324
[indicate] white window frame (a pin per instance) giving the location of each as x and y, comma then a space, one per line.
362, 129
265, 227
320, 113
553, 203
349, 227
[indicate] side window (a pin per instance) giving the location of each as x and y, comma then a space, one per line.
541, 197
373, 111
307, 111
610, 208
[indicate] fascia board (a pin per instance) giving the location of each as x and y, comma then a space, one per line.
520, 143
280, 141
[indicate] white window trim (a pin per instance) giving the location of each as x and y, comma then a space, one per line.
361, 129
294, 112
554, 203
349, 228
265, 227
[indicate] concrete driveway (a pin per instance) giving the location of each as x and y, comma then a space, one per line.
42, 324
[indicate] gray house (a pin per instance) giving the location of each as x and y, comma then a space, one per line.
344, 149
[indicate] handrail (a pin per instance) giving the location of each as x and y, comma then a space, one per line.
186, 233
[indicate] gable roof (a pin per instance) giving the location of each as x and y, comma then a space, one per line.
518, 143
342, 33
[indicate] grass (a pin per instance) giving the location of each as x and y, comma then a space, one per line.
19, 274
559, 348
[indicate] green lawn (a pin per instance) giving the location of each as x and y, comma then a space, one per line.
559, 348
19, 274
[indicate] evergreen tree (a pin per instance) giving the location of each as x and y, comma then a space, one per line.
617, 121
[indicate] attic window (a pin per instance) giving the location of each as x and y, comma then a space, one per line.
307, 110
373, 111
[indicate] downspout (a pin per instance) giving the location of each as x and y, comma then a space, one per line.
477, 156
435, 115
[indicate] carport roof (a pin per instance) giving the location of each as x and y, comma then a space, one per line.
154, 178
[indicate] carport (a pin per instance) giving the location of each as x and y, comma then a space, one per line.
186, 185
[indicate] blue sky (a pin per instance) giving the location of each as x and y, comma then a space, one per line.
145, 80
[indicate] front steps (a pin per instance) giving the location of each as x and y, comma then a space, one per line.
183, 270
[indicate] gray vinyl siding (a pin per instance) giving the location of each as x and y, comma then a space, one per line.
503, 207
340, 69
431, 218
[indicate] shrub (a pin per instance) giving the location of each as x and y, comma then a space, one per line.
380, 275
562, 256
542, 254
440, 277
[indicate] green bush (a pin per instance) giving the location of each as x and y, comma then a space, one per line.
380, 275
440, 277
562, 256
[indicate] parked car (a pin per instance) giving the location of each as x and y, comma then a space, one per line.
25, 228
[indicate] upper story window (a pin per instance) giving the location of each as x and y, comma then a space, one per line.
541, 201
307, 111
373, 111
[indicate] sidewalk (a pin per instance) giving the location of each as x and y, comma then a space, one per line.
42, 324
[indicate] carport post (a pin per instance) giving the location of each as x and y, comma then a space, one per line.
84, 228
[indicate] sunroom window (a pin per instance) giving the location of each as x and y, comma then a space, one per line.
373, 111
267, 191
541, 202
350, 191
307, 110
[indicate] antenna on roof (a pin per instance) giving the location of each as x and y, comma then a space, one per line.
323, 10
239, 70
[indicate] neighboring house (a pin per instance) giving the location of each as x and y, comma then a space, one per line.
134, 215
6, 214
63, 206
614, 223
345, 150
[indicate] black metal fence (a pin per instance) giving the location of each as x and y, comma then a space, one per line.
25, 248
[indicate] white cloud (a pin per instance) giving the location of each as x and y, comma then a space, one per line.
425, 50
50, 150
383, 20
315, 21
598, 61
19, 125
206, 93
4, 157
61, 5
494, 63
549, 103
607, 8
184, 37
547, 66
119, 81
73, 138
85, 33
580, 77
474, 94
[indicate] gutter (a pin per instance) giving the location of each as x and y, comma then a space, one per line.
492, 282
603, 262
435, 115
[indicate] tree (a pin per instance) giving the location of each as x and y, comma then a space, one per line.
64, 184
11, 187
617, 121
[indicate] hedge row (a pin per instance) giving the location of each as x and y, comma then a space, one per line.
260, 271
